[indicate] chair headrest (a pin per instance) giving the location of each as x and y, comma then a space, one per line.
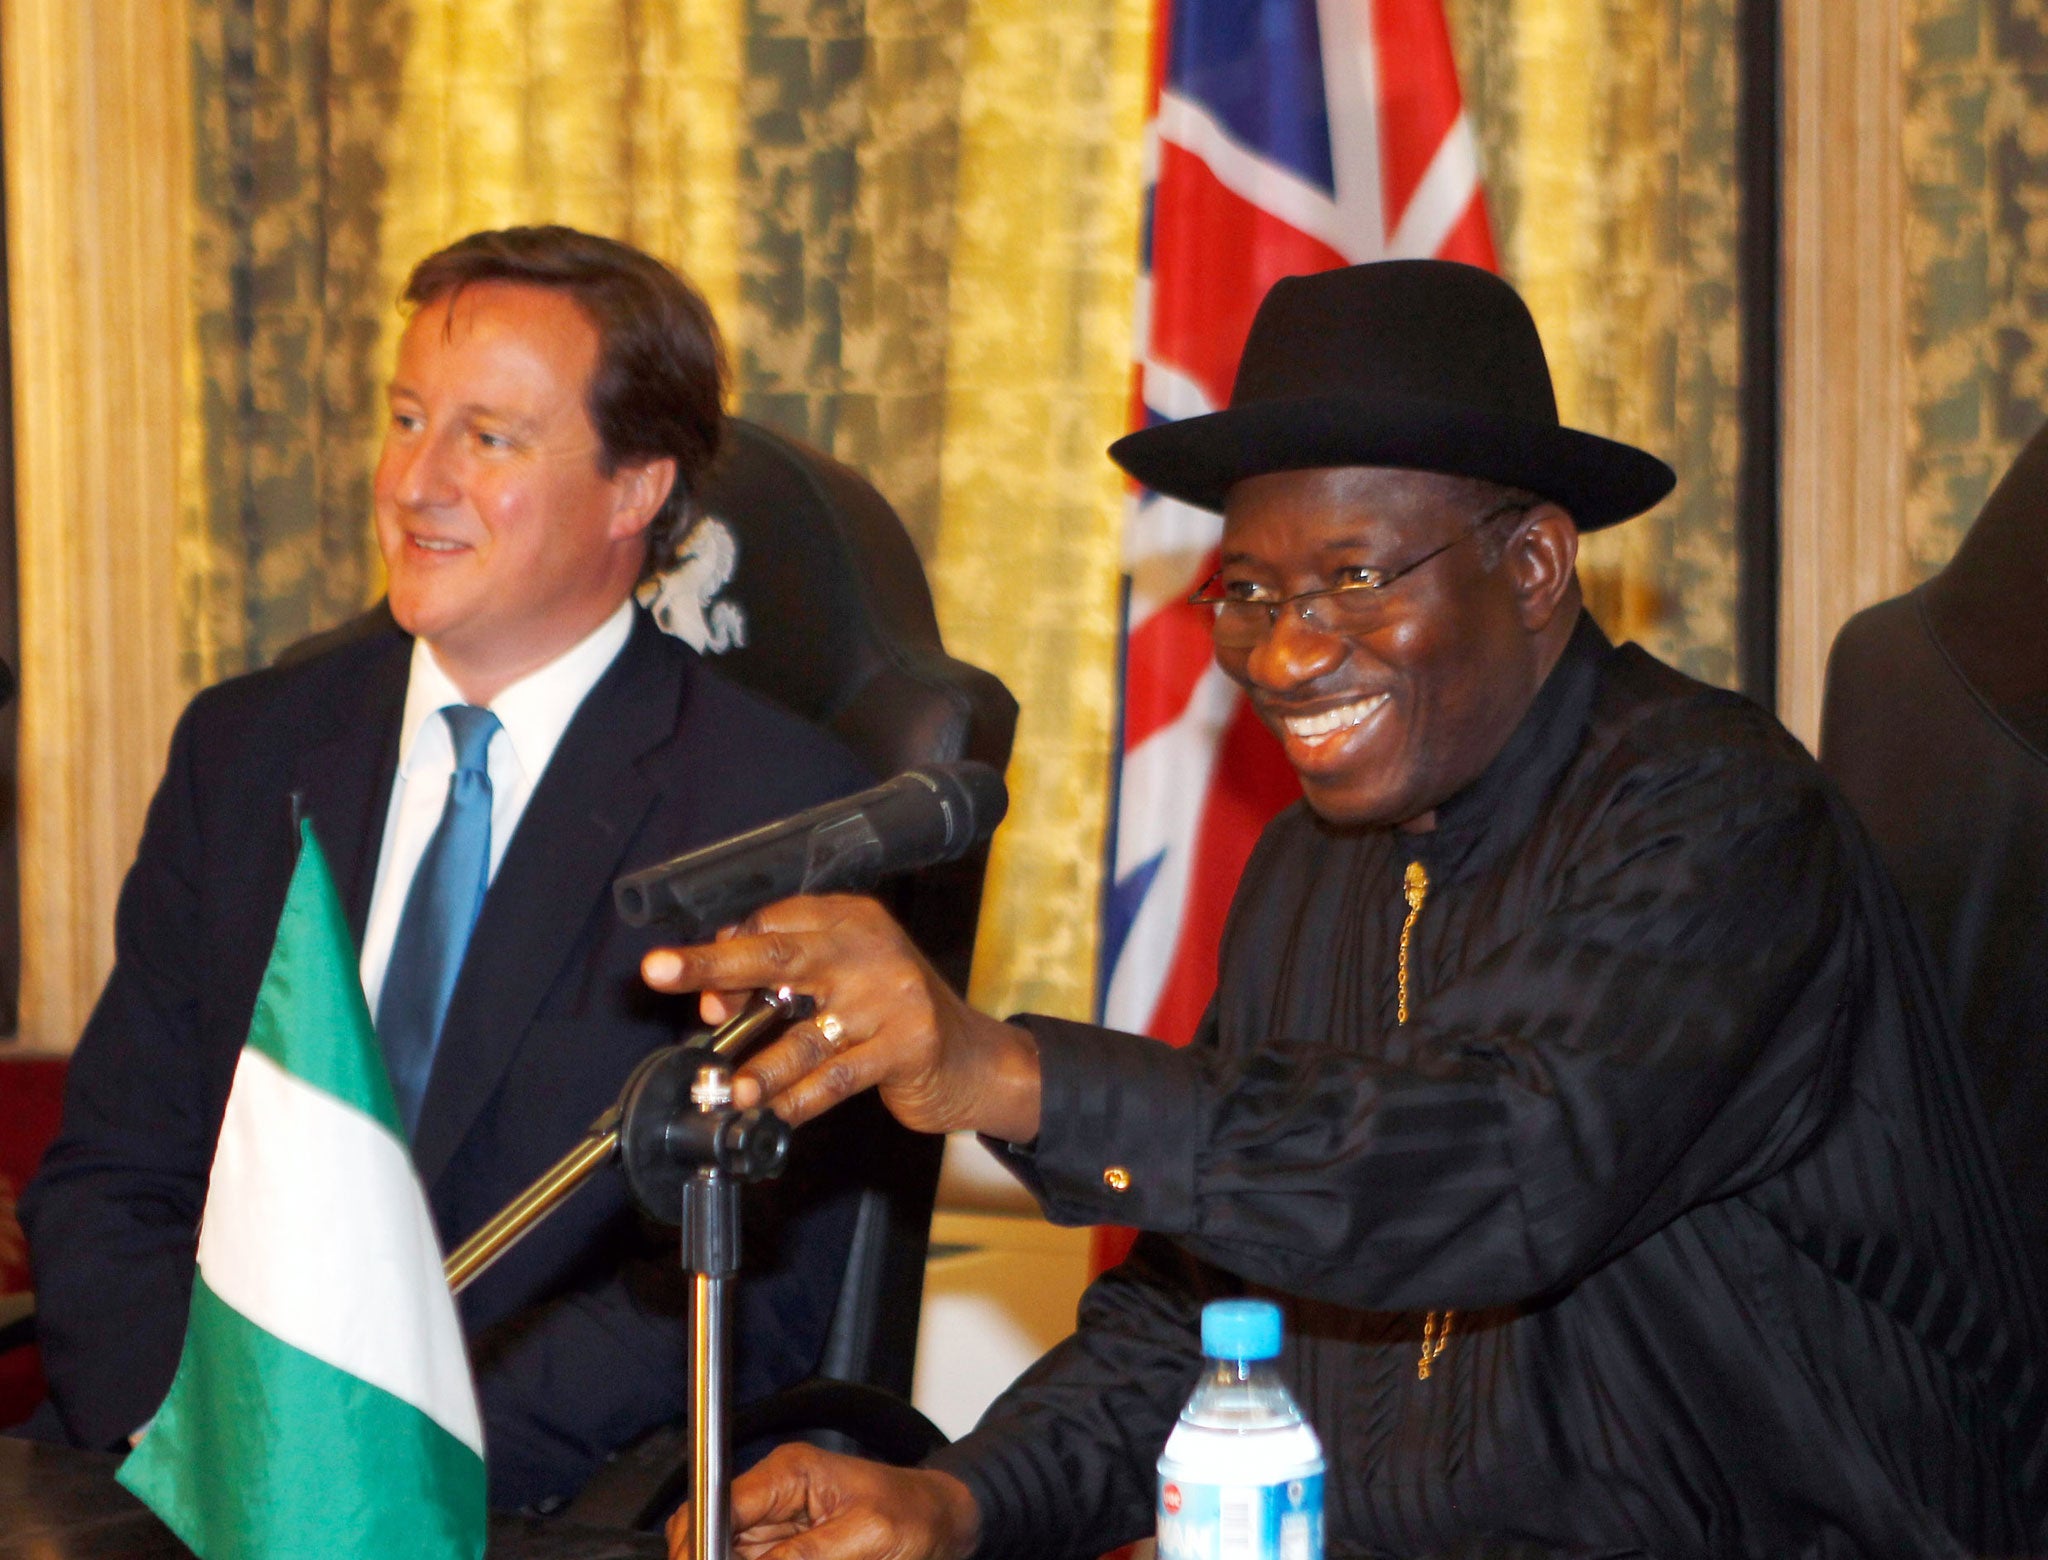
1986, 608
800, 582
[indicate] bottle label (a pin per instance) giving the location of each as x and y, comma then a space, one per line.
1282, 1521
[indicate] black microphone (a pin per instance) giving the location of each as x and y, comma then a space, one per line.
919, 819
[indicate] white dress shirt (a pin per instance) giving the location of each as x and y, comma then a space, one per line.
532, 715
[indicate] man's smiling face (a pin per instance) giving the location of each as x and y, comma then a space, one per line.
1384, 724
504, 540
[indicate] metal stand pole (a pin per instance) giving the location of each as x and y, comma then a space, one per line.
718, 1150
711, 1251
710, 1455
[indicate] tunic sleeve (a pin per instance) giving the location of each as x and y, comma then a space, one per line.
1666, 1031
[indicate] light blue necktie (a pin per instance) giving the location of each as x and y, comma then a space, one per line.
440, 910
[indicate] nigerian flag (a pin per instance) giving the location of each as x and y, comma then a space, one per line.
323, 1404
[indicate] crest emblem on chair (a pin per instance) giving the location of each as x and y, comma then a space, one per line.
686, 600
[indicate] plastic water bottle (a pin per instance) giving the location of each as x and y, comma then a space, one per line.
1242, 1474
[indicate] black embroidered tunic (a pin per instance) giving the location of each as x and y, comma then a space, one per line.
1674, 1133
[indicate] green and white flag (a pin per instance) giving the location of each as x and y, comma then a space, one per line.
323, 1404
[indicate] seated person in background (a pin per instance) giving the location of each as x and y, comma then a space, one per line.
1571, 1080
557, 396
1935, 727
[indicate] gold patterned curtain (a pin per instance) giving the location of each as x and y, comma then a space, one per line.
1976, 181
918, 223
1027, 560
1608, 133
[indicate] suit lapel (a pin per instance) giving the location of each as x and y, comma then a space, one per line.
556, 875
344, 783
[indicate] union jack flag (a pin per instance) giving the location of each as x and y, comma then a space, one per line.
1287, 136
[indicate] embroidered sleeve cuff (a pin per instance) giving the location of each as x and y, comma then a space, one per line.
1117, 1129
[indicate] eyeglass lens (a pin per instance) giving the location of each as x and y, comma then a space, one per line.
1348, 609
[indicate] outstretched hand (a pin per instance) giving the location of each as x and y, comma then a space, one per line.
800, 1503
885, 1020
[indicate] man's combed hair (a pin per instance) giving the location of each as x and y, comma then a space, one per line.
659, 386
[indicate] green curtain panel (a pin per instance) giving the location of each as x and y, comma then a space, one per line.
291, 101
1976, 255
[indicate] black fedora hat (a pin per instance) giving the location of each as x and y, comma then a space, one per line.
1423, 364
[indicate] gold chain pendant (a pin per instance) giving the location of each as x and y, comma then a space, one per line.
1415, 888
1433, 1340
1414, 885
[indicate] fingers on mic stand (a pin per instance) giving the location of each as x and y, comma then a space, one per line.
764, 1016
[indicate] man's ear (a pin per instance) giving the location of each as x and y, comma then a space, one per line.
641, 487
1542, 563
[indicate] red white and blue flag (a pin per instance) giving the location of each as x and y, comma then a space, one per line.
1287, 136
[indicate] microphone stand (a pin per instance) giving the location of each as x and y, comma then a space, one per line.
686, 1152
732, 1040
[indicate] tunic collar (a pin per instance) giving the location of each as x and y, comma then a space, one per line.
1480, 824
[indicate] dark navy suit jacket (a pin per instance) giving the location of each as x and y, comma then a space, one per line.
578, 1335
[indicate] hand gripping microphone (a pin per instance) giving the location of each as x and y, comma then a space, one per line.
919, 819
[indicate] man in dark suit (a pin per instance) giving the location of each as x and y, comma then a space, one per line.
556, 398
1935, 726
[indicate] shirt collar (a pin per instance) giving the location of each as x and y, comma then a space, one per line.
1483, 821
533, 711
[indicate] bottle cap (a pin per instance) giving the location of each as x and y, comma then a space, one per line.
1241, 1330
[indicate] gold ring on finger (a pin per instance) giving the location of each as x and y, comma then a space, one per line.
831, 1028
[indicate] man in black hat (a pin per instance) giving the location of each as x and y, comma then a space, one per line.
1572, 1080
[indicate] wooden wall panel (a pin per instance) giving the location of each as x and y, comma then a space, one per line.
1846, 391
